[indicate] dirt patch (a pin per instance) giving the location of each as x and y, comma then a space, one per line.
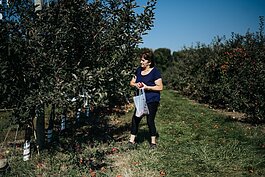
230, 114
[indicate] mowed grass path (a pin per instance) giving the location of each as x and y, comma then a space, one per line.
194, 141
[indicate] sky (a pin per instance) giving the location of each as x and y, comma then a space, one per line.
180, 23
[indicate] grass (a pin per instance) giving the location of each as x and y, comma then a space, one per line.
194, 141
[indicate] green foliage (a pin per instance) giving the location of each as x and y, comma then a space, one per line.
52, 55
228, 73
162, 58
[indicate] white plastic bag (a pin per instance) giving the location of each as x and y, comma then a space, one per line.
140, 104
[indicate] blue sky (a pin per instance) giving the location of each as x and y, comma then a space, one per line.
181, 23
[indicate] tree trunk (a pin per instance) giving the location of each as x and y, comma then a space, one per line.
40, 127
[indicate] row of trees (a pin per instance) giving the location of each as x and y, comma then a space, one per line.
70, 47
229, 73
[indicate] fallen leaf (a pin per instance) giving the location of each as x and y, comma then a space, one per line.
115, 150
250, 170
135, 163
162, 173
92, 173
103, 169
63, 167
216, 126
40, 165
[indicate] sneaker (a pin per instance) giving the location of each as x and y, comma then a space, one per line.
153, 146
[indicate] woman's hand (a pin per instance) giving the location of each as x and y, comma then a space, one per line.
145, 87
139, 85
157, 87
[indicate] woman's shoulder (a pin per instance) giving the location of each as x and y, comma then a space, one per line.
138, 70
156, 72
155, 69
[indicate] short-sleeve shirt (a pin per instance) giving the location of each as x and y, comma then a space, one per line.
149, 80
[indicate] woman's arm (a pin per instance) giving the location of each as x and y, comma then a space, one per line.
158, 86
134, 84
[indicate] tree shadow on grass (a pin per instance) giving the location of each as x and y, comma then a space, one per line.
92, 133
244, 134
142, 136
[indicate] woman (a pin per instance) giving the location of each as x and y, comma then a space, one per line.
149, 78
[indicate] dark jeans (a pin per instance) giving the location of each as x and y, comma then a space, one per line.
150, 119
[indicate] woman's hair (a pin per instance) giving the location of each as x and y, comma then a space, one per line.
148, 54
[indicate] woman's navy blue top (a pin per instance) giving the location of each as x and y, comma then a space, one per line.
149, 80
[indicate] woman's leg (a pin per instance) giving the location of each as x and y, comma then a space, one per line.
134, 127
151, 120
